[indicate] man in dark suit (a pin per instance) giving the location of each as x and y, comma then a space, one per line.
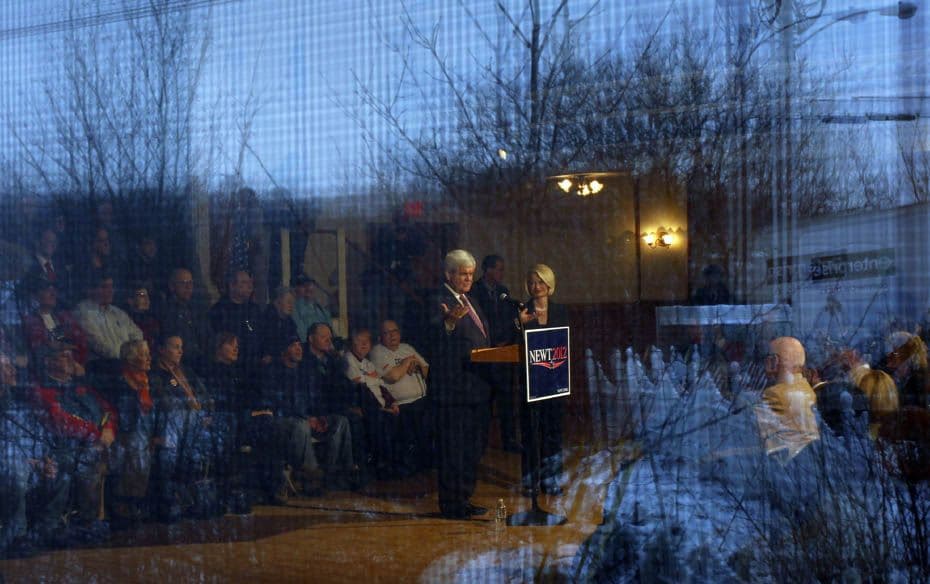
461, 392
500, 313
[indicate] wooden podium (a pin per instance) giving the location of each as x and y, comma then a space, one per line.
535, 516
505, 354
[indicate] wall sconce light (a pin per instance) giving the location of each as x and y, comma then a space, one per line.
661, 237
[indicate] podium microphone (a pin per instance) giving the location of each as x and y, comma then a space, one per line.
508, 298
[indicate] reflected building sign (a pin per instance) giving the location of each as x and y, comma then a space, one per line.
837, 266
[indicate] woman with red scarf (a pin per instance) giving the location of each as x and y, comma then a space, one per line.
137, 438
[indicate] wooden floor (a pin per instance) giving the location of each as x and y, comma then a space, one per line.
390, 532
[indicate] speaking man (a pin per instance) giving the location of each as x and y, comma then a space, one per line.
461, 392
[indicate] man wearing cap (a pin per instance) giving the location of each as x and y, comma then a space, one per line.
48, 326
83, 426
307, 310
290, 405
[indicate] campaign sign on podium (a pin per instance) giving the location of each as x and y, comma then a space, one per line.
547, 363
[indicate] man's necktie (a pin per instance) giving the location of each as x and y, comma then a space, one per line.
49, 271
473, 314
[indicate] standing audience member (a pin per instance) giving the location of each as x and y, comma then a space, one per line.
404, 371
106, 325
542, 312
179, 315
460, 388
308, 310
488, 292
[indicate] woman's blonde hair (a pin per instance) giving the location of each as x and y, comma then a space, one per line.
545, 274
881, 390
909, 349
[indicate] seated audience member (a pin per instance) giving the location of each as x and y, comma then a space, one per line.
276, 323
307, 308
184, 420
98, 260
852, 362
404, 373
224, 380
51, 328
138, 307
130, 392
26, 470
326, 373
293, 408
178, 314
144, 265
45, 264
362, 371
906, 362
237, 313
106, 325
380, 409
839, 399
82, 427
882, 394
13, 344
786, 419
403, 369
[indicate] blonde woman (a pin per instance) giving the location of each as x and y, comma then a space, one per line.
880, 389
542, 312
906, 362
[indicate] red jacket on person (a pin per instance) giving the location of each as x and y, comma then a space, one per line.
75, 410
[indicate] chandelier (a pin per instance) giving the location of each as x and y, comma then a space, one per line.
582, 184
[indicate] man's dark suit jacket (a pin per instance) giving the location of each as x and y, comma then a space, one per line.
498, 312
456, 380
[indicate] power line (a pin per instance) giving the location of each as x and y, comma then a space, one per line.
108, 17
